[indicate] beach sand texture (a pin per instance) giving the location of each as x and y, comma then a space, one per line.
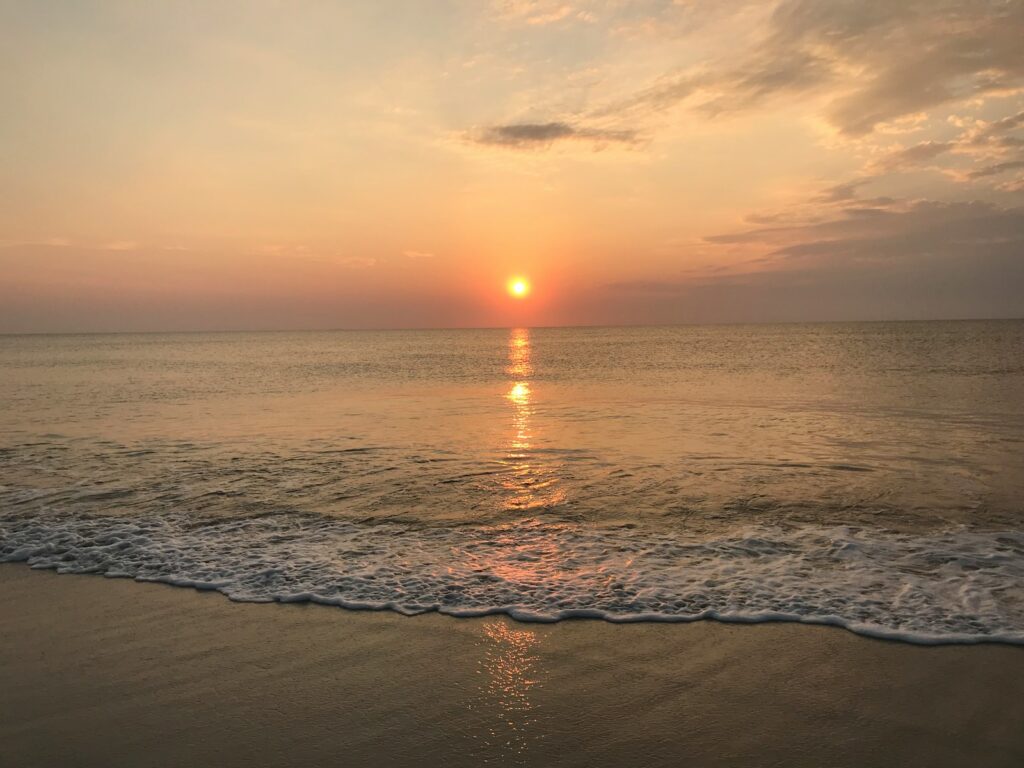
108, 672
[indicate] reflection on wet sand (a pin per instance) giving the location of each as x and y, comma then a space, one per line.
509, 674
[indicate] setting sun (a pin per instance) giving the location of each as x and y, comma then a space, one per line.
518, 287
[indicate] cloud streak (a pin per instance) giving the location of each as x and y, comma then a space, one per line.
543, 135
923, 258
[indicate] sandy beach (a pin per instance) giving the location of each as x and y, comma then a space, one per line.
106, 672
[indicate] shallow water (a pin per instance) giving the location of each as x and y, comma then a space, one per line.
868, 475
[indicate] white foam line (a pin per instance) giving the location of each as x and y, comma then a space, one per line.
948, 587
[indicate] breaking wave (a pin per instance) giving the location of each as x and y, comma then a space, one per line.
953, 586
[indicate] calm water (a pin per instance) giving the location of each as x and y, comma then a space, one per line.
869, 475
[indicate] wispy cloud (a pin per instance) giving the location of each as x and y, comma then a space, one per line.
541, 12
64, 242
551, 17
913, 156
120, 245
870, 62
997, 168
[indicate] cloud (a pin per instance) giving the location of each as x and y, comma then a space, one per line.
871, 61
63, 242
913, 55
995, 134
1013, 186
923, 230
540, 12
915, 155
549, 18
354, 262
989, 144
120, 245
417, 255
864, 66
921, 259
992, 170
781, 217
840, 192
540, 135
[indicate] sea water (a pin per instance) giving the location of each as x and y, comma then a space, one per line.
865, 475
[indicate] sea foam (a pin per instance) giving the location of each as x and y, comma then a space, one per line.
954, 586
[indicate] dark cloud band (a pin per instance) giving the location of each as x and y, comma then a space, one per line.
533, 135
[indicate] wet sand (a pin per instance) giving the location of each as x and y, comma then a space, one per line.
104, 672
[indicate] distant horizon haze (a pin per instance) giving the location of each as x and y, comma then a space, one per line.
441, 328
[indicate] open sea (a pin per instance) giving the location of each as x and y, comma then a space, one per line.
864, 475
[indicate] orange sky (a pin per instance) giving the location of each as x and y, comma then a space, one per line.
290, 164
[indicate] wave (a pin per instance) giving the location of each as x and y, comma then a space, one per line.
951, 586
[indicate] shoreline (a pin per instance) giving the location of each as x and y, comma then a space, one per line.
134, 673
522, 616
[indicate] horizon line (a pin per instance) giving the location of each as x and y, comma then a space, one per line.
406, 329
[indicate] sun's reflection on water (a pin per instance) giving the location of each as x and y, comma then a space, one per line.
510, 665
530, 483
519, 366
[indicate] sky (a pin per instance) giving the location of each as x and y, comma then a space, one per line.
262, 164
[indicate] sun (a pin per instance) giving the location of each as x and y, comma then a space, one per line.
518, 287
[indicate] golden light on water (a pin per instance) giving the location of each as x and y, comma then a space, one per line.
519, 287
531, 484
520, 393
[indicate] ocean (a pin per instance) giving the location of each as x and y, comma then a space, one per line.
866, 475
